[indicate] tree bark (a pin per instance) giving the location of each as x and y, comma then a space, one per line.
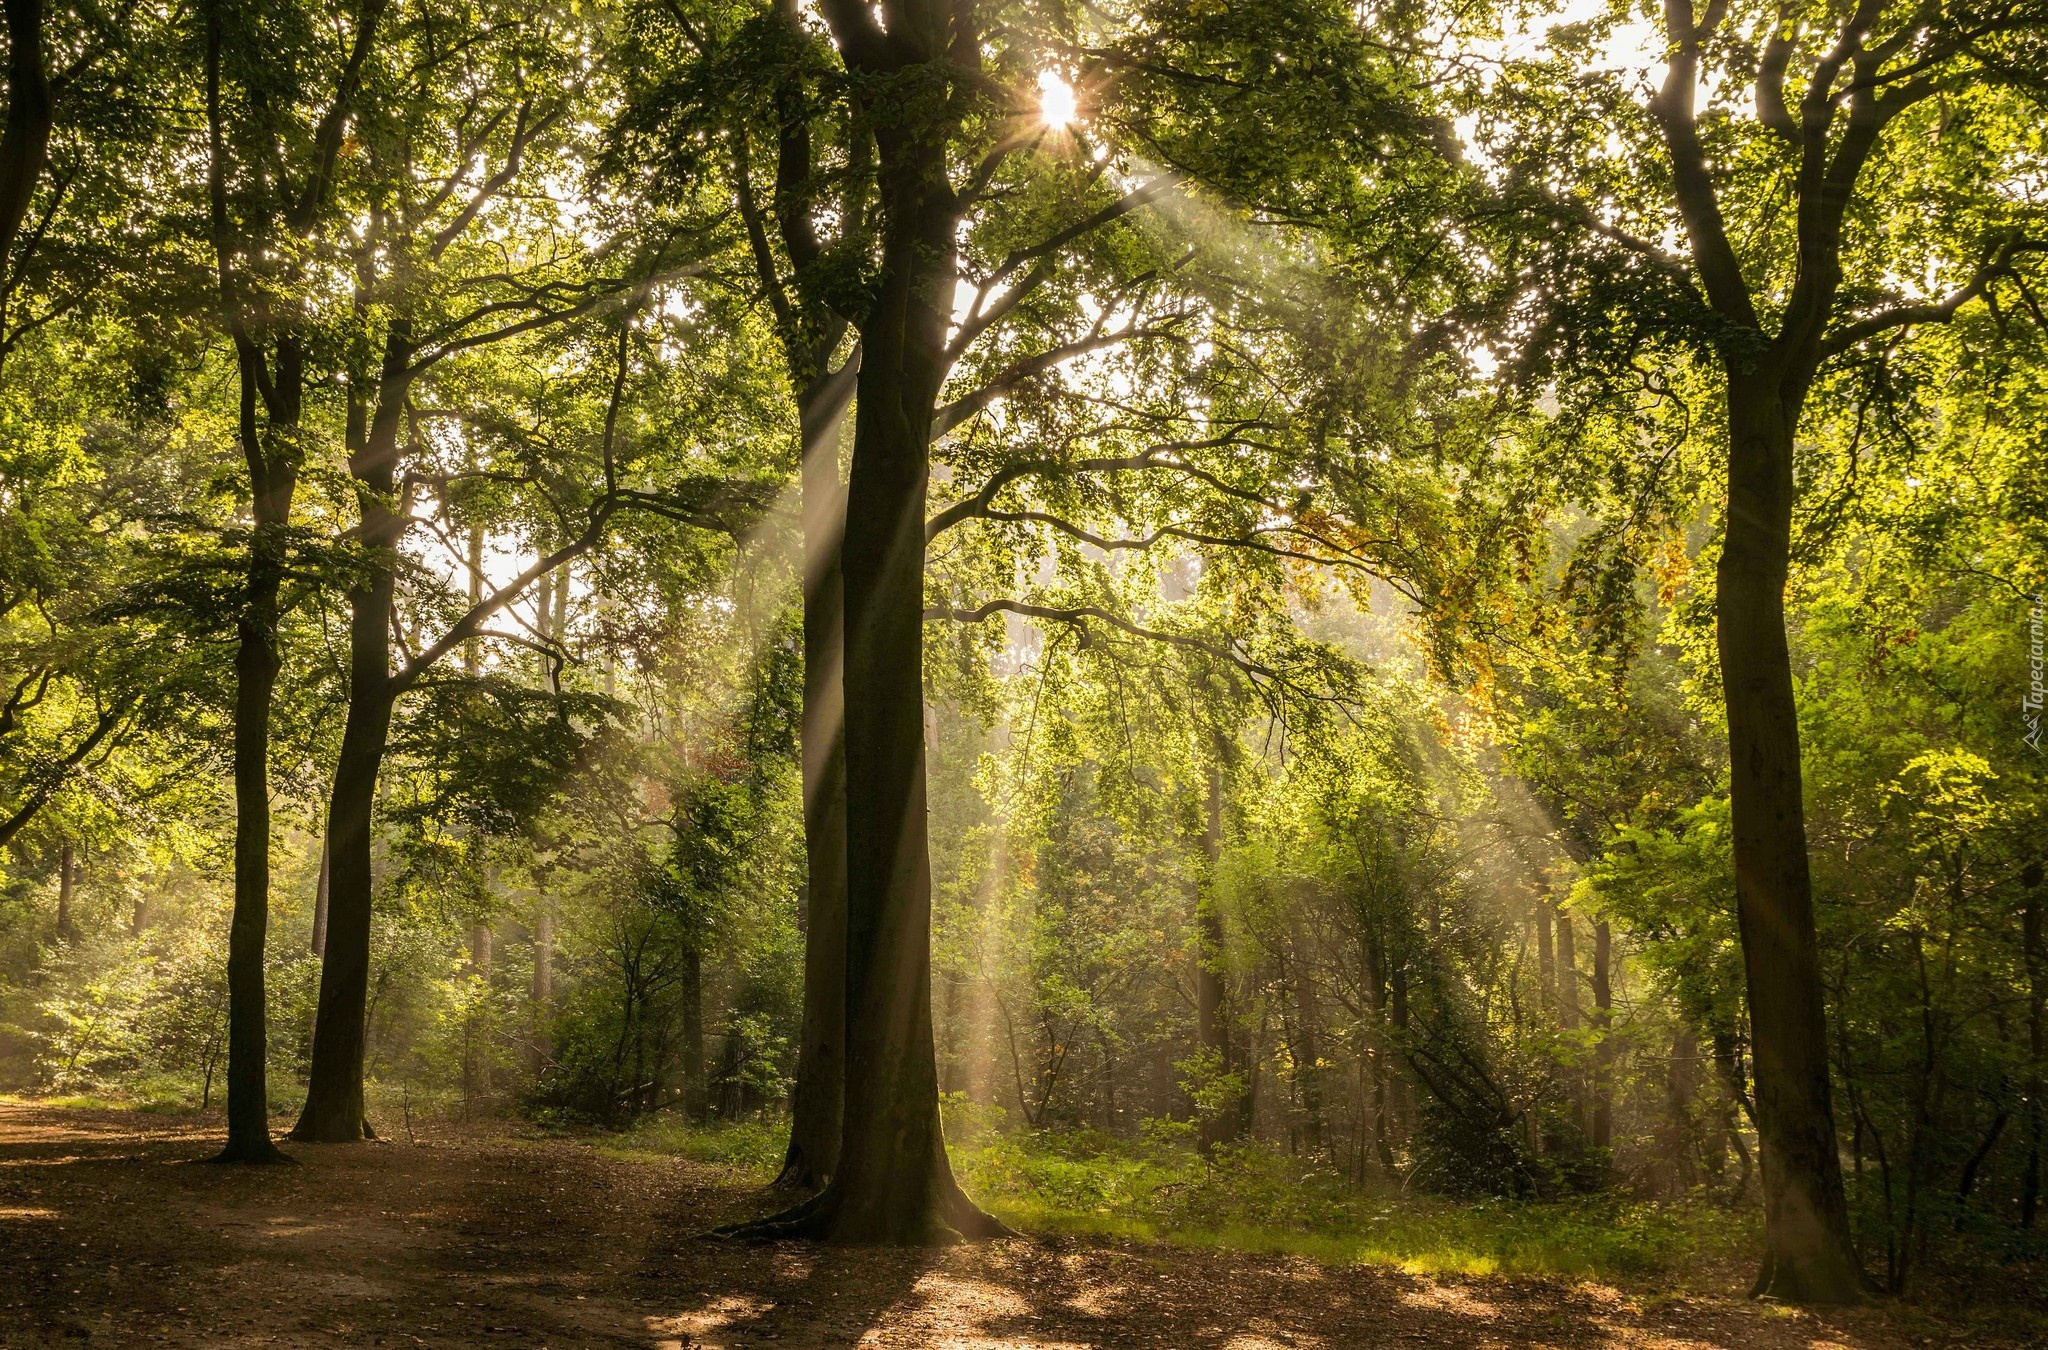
543, 994
31, 113
692, 985
66, 859
1568, 1010
1546, 961
333, 1112
2036, 956
1681, 1087
273, 475
1307, 1044
1212, 1001
893, 1183
1603, 1025
273, 457
1808, 1253
318, 945
819, 1094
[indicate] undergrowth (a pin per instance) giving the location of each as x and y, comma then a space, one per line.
1255, 1199
1158, 1189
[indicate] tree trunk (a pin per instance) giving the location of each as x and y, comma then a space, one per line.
480, 950
1212, 1010
819, 1094
1808, 1253
31, 113
1397, 1018
1681, 1087
334, 1091
2036, 954
473, 650
1568, 1010
65, 860
1546, 961
1382, 1054
1603, 1025
273, 478
318, 945
692, 984
893, 1183
543, 986
1307, 1045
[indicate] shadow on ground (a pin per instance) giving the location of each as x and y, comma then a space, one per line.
111, 1233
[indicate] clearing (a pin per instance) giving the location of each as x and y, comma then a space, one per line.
112, 1233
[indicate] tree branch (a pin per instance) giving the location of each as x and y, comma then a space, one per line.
1691, 183
1079, 615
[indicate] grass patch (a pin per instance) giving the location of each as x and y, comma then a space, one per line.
751, 1148
1255, 1200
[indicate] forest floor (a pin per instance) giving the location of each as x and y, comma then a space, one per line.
112, 1231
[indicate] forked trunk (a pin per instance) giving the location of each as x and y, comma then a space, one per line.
1808, 1254
819, 1095
893, 1183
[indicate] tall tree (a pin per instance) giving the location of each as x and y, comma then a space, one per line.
1795, 229
264, 216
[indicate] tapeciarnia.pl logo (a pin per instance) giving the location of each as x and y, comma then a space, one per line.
2030, 704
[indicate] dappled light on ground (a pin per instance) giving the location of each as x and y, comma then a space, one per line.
114, 1233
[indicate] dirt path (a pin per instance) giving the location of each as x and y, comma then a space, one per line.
111, 1233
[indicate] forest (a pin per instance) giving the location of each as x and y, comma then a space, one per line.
1024, 672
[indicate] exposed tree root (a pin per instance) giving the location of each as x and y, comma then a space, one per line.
797, 1177
948, 1218
256, 1154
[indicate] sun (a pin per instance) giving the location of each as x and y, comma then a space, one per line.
1056, 106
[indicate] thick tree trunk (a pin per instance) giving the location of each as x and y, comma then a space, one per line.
66, 860
333, 1112
1808, 1253
1546, 960
31, 113
819, 1095
893, 1183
